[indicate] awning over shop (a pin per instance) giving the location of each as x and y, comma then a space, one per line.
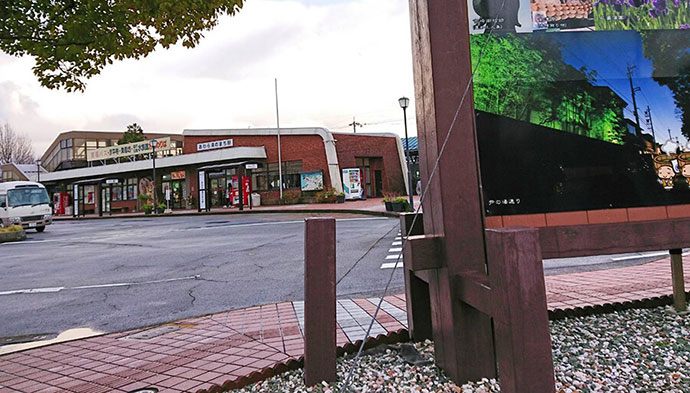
227, 165
239, 154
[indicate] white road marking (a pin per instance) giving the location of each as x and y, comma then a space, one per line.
397, 244
27, 242
647, 255
391, 265
363, 218
395, 250
393, 256
121, 284
651, 254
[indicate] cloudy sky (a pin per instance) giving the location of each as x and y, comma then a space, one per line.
334, 59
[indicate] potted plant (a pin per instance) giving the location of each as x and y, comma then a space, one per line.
400, 204
341, 197
144, 199
160, 209
388, 201
148, 209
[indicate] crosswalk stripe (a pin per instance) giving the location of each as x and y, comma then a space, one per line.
391, 265
393, 256
395, 250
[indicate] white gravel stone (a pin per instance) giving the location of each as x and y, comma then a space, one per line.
632, 351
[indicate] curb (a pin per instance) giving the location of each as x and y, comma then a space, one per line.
12, 236
294, 364
276, 211
608, 308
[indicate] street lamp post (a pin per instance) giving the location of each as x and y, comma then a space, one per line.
38, 171
153, 147
404, 103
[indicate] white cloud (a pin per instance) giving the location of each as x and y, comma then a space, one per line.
333, 61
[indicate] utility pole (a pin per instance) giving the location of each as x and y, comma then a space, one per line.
648, 118
280, 159
354, 125
632, 91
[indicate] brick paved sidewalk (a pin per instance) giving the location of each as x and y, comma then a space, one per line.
366, 206
236, 347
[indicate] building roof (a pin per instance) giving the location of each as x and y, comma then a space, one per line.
27, 170
76, 134
414, 143
233, 153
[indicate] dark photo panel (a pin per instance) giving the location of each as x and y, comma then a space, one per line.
585, 118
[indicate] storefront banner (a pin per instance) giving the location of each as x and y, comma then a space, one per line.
177, 175
214, 145
130, 149
352, 183
312, 181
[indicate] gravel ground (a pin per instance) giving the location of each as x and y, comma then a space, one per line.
632, 351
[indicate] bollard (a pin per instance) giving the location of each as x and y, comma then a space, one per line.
319, 301
678, 279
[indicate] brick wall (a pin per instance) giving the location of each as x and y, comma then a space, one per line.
308, 148
352, 146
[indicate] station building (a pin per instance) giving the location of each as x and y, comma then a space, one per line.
199, 168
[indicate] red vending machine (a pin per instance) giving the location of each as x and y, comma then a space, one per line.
245, 192
60, 202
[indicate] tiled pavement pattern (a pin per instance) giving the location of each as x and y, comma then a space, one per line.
197, 353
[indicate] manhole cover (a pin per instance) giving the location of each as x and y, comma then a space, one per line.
145, 390
153, 333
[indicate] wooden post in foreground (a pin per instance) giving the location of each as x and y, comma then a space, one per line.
319, 301
678, 279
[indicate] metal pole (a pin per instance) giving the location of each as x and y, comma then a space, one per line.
280, 161
407, 158
38, 171
154, 179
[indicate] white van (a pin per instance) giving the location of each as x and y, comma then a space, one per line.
25, 203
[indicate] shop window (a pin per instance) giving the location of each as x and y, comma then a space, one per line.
132, 189
291, 175
116, 194
259, 181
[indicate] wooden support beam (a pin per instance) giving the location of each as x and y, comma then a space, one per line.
319, 301
474, 290
679, 301
521, 323
616, 238
422, 253
417, 295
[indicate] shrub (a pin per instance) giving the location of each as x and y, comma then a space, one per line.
11, 228
144, 198
290, 197
327, 196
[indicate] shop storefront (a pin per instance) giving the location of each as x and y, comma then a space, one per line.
215, 164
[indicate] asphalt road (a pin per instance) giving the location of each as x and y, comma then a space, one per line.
117, 274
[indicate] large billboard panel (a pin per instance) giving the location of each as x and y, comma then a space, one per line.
590, 110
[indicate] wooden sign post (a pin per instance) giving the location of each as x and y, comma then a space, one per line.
480, 293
